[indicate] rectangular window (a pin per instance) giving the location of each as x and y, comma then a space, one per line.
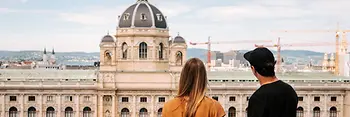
87, 98
216, 98
232, 98
49, 98
300, 98
333, 99
69, 98
316, 99
161, 99
143, 99
31, 98
13, 98
125, 99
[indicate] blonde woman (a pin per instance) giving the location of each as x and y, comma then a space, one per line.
191, 100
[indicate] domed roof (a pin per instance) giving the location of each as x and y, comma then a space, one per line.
108, 38
142, 14
179, 39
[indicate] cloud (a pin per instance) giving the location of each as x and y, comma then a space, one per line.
24, 1
30, 11
3, 10
95, 15
99, 15
273, 9
174, 8
229, 13
86, 19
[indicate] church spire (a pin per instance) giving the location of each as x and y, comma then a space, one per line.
53, 51
44, 50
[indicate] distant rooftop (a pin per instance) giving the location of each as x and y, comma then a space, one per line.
47, 74
238, 75
91, 74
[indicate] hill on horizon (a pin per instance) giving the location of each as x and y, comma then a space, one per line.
87, 58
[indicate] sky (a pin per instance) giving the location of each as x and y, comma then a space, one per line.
79, 25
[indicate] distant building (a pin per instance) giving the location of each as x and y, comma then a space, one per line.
216, 55
228, 56
48, 62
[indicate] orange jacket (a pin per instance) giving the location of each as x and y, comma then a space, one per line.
207, 108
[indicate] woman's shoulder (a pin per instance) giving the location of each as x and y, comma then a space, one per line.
209, 101
172, 104
216, 109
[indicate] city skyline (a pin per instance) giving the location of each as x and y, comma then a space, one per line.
67, 25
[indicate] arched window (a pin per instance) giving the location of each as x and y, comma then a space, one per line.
143, 17
50, 112
31, 112
317, 112
125, 112
68, 112
13, 112
143, 51
232, 112
108, 56
126, 16
143, 112
300, 112
179, 58
159, 17
160, 50
333, 112
124, 50
160, 112
87, 112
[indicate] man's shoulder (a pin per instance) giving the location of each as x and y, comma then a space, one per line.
277, 88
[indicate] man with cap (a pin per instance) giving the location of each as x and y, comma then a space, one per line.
274, 98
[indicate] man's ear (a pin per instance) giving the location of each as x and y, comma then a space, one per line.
253, 69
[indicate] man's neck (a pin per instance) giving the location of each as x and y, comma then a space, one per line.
267, 80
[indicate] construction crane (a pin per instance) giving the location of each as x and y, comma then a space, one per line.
209, 43
338, 31
279, 45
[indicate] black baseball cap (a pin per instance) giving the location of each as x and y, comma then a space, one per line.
262, 59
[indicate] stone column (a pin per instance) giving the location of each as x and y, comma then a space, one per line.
241, 105
347, 104
22, 106
77, 106
224, 100
152, 108
3, 105
96, 106
308, 110
341, 110
113, 105
131, 50
100, 104
155, 51
325, 109
59, 105
134, 106
40, 105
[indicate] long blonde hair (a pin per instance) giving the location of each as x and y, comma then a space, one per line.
193, 84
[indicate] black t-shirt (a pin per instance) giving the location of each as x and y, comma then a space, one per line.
277, 99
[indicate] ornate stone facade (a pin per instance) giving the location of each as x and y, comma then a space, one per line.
139, 72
